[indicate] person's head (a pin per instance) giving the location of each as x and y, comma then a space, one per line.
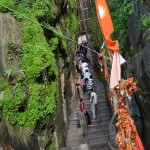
83, 60
91, 90
86, 70
81, 99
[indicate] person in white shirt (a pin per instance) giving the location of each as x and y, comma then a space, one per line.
90, 83
84, 64
87, 75
84, 70
93, 101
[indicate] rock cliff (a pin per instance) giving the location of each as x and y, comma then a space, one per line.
37, 90
139, 39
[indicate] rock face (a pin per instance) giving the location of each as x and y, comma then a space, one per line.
10, 31
40, 137
141, 65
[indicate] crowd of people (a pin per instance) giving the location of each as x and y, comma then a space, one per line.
85, 82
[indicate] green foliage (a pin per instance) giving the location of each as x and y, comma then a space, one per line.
144, 22
139, 54
24, 105
148, 38
73, 27
96, 33
129, 54
120, 12
8, 73
12, 47
31, 100
7, 3
44, 8
72, 2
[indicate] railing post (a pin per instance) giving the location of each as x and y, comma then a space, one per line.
84, 125
113, 132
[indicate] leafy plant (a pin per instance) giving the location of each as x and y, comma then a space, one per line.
144, 22
96, 34
120, 12
8, 73
30, 100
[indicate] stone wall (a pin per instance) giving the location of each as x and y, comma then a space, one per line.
41, 136
141, 45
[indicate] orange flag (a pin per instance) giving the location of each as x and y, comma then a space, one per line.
106, 73
106, 24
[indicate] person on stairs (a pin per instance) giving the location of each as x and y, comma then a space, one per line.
78, 84
93, 101
87, 75
78, 58
83, 109
83, 84
90, 83
83, 49
84, 64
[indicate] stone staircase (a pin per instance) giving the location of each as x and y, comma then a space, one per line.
97, 135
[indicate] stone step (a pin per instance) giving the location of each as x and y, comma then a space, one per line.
99, 115
75, 132
80, 147
71, 148
89, 140
98, 91
101, 111
97, 86
100, 98
75, 115
74, 123
98, 146
103, 117
99, 94
98, 127
103, 108
74, 126
97, 133
99, 104
77, 136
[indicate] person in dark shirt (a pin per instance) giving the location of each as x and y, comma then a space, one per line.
83, 50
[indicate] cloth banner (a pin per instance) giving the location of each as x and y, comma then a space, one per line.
106, 24
106, 73
122, 60
115, 76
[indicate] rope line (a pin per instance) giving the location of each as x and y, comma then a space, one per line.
48, 28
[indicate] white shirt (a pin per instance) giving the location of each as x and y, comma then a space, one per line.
83, 70
93, 94
87, 75
84, 65
90, 83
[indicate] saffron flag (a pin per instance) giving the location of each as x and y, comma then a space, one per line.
106, 24
106, 73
